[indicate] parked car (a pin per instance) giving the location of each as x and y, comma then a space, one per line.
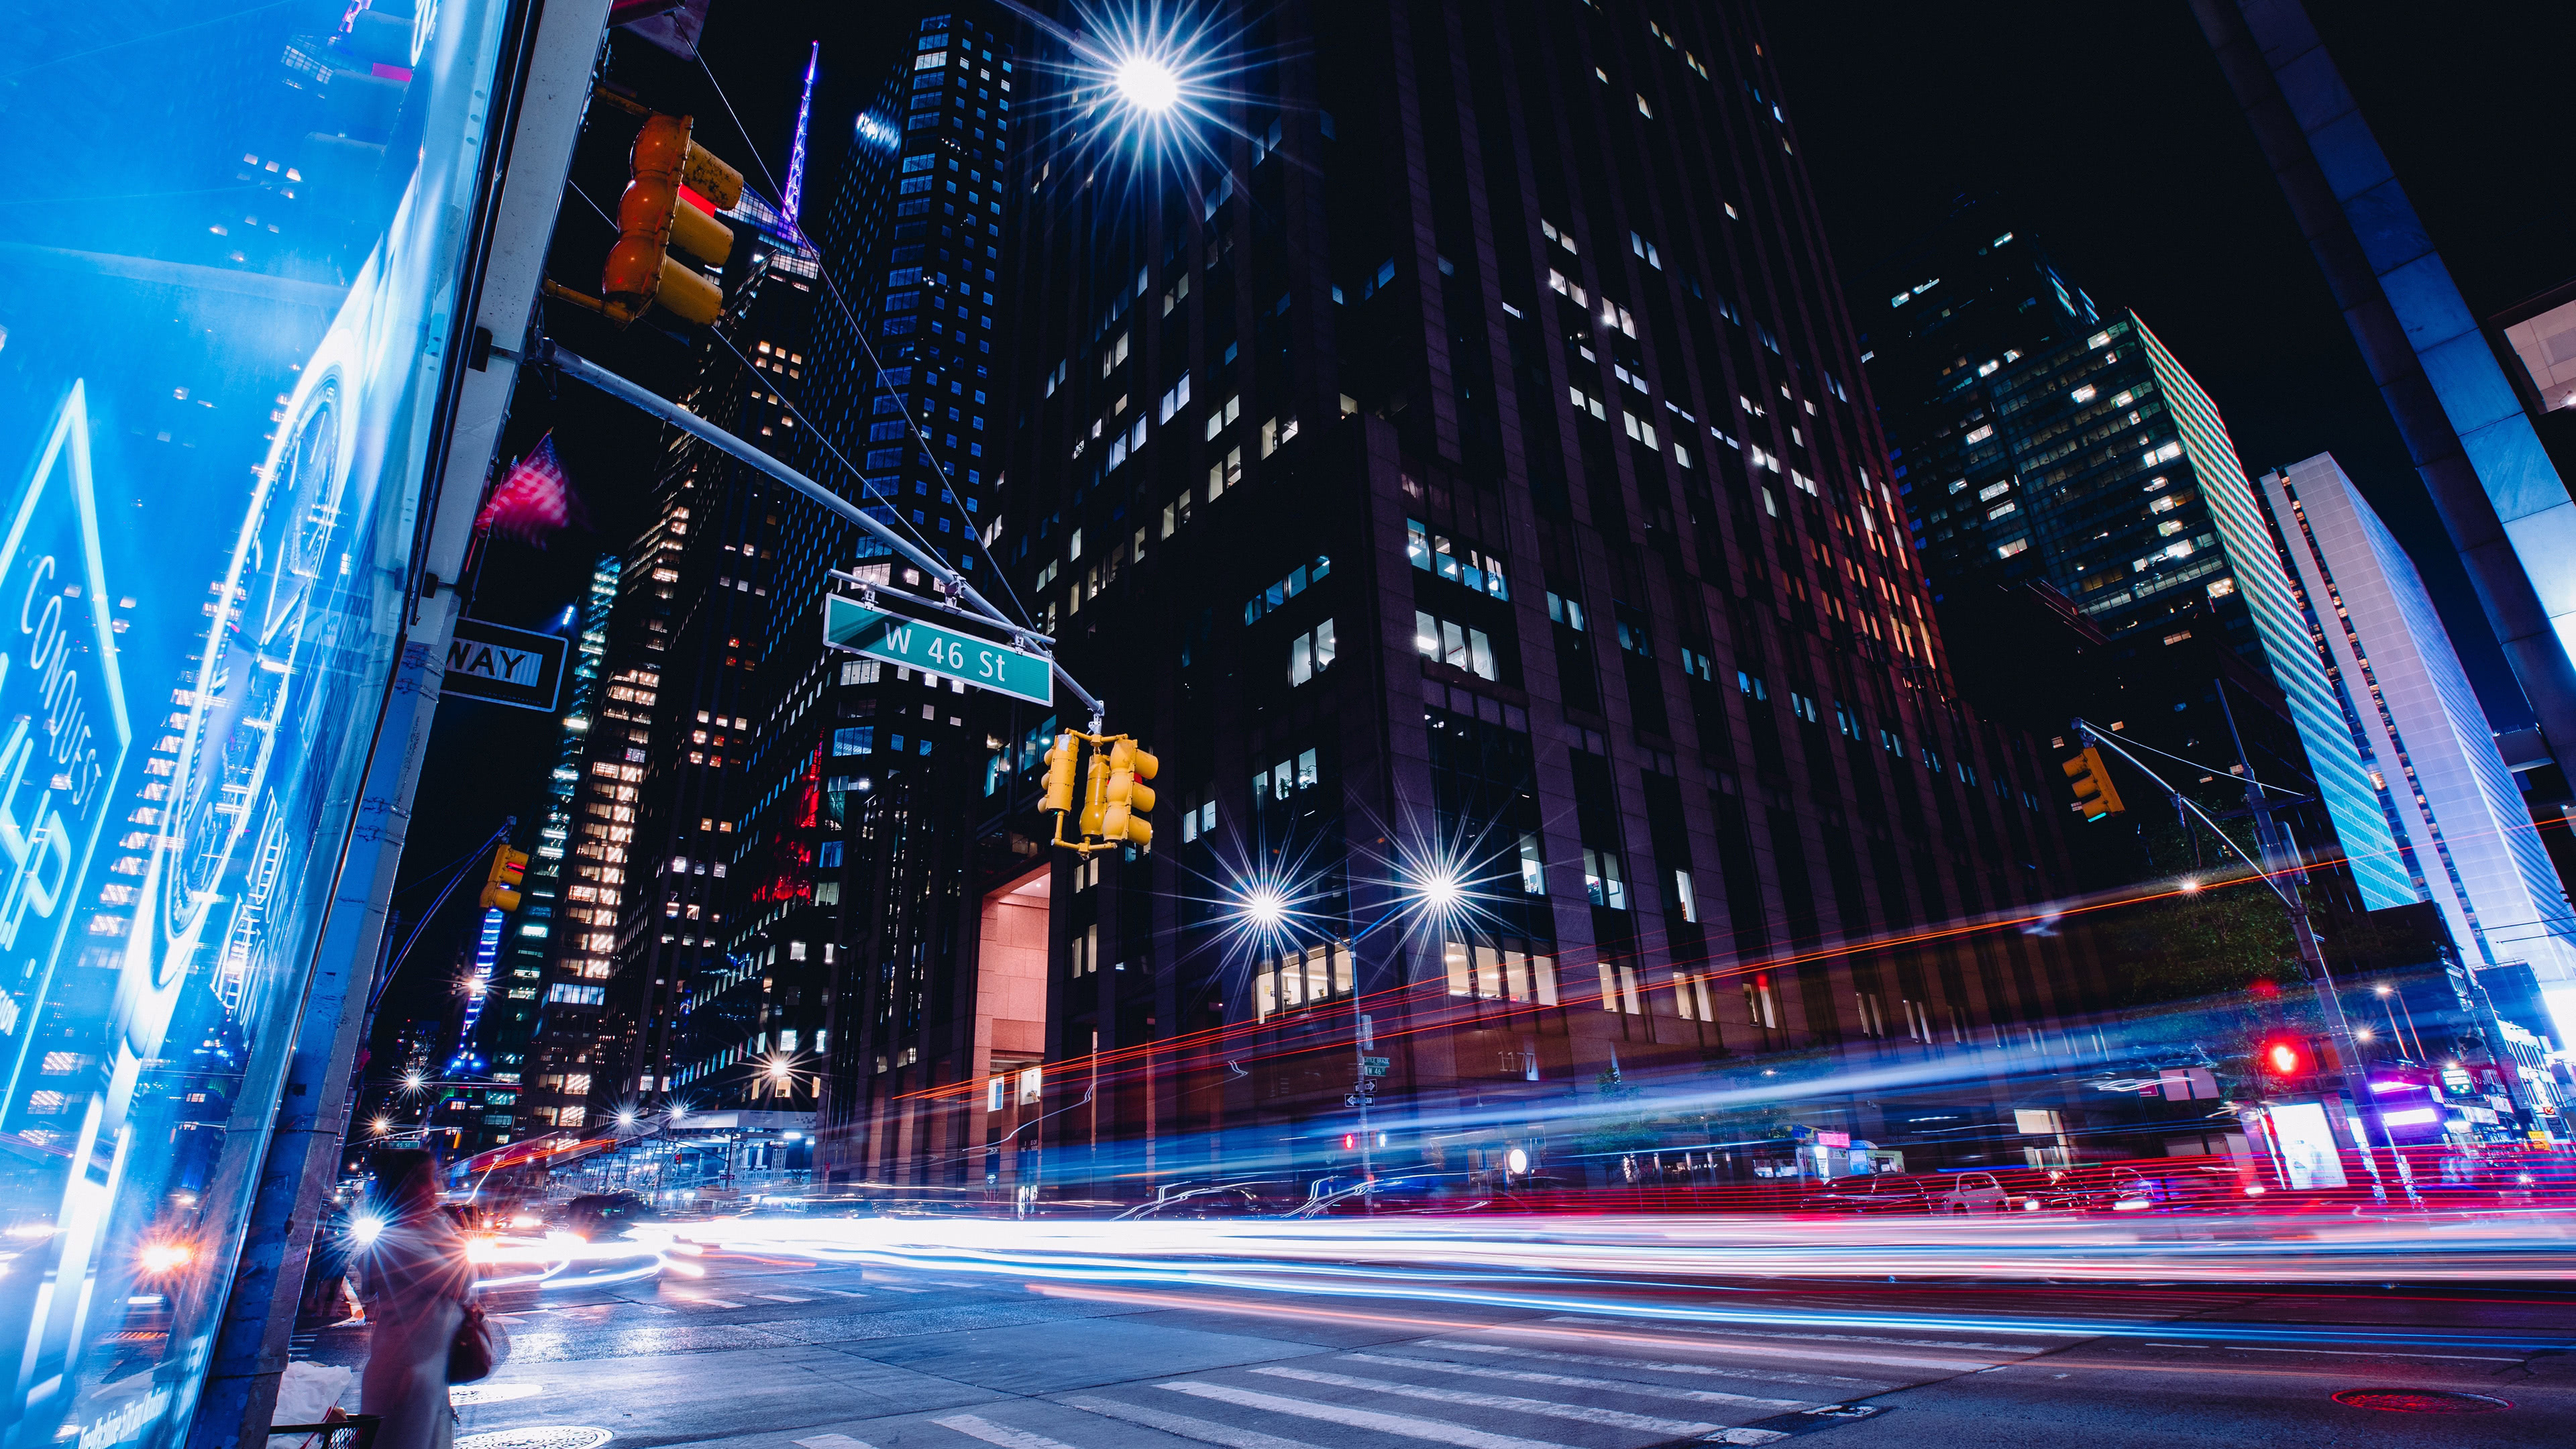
1220, 1200
1973, 1192
606, 1214
1883, 1193
1408, 1193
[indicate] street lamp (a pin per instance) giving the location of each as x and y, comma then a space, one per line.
1146, 83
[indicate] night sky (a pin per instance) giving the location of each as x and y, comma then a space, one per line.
2105, 131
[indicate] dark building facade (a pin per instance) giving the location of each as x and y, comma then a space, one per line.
1454, 457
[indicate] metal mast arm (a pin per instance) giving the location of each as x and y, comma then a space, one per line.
550, 354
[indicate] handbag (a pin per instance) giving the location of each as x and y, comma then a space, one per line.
480, 1346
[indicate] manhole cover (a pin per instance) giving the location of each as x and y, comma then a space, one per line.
538, 1436
2418, 1401
465, 1395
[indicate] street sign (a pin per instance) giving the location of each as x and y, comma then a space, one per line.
1374, 1066
505, 666
847, 624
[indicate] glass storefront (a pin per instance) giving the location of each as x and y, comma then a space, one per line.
228, 299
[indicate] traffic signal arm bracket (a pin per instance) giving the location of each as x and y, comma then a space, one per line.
547, 353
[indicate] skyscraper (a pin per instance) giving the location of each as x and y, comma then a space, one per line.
867, 781
2465, 834
1449, 448
650, 830
847, 820
2038, 438
532, 965
704, 615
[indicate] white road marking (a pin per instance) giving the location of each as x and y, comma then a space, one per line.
715, 1303
1707, 1370
1002, 1434
782, 1298
831, 1441
1746, 1436
1578, 1381
1859, 1337
846, 1292
1581, 1413
1401, 1424
1723, 1340
1206, 1431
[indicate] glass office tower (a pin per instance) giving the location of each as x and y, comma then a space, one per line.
2037, 437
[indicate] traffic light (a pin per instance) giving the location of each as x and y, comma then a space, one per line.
1126, 800
1061, 760
1095, 796
675, 188
501, 883
2092, 782
2286, 1056
660, 210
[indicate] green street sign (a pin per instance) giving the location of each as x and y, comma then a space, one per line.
980, 662
1373, 1066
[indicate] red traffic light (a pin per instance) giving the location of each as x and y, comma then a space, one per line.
2284, 1057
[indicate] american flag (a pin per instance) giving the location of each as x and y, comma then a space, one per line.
534, 502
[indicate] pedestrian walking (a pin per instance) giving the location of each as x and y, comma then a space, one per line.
418, 1284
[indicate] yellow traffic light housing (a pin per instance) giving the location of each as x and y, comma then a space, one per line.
1062, 759
2092, 784
501, 882
1115, 799
1095, 795
1127, 800
673, 184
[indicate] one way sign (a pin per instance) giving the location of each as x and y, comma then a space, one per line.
504, 665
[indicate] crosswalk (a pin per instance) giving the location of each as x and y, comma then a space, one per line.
1564, 1383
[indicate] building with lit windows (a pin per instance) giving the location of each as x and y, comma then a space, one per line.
705, 577
1451, 453
857, 812
2462, 829
2036, 437
535, 959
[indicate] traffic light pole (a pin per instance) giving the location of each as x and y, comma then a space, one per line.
547, 353
2281, 864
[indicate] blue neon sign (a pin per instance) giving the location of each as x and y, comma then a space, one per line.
222, 372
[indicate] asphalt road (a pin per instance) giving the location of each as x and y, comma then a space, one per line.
777, 1353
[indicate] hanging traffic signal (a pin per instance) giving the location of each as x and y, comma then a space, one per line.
675, 187
659, 211
2092, 783
1126, 800
501, 882
1062, 759
1115, 799
2286, 1056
